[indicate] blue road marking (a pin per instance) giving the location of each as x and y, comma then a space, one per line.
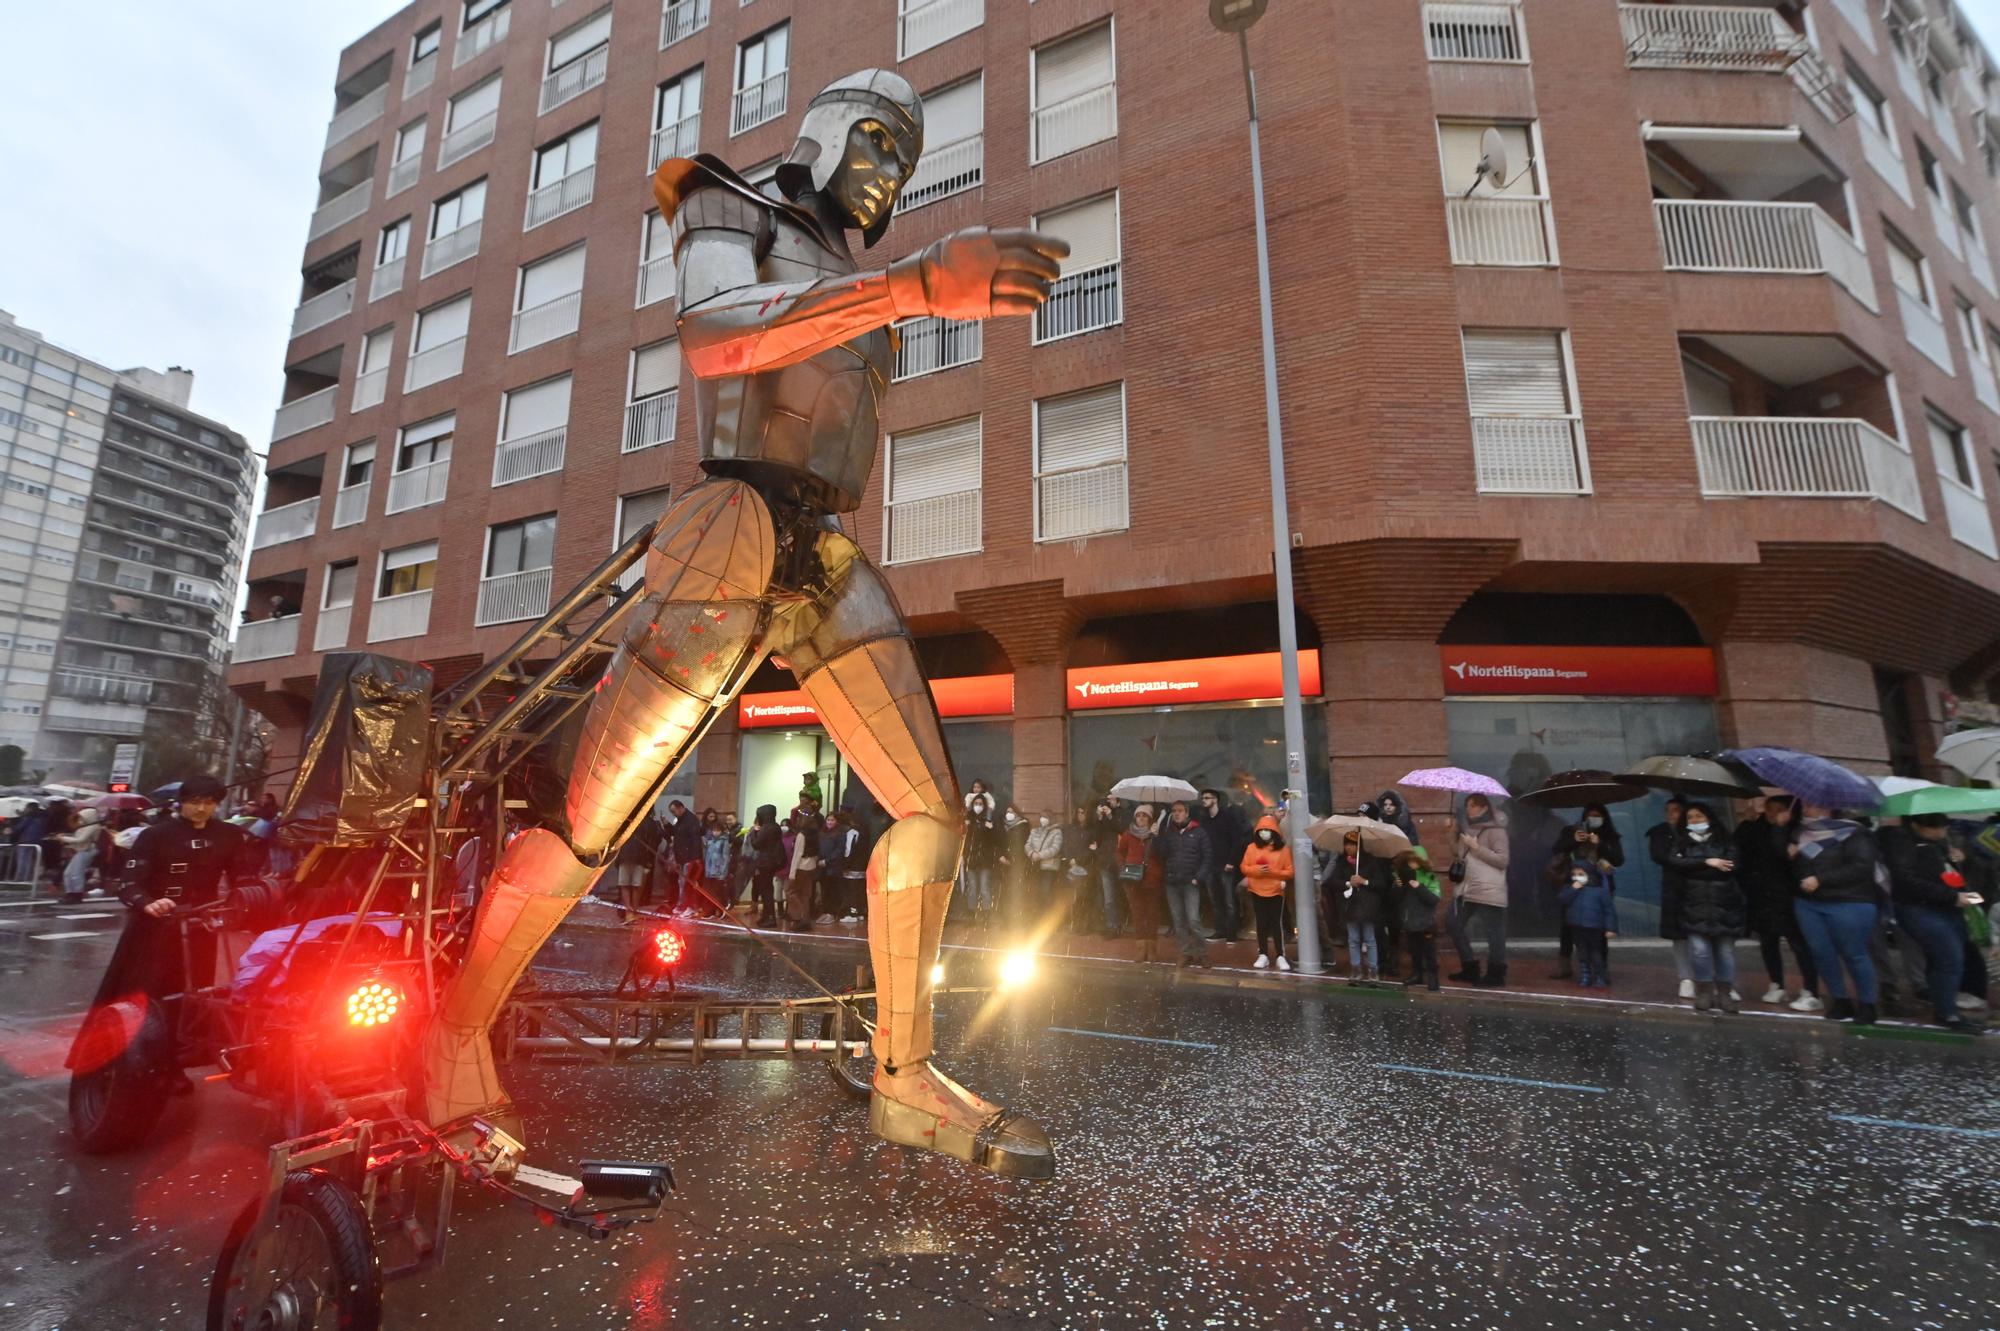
1142, 1039
1864, 1121
1485, 1076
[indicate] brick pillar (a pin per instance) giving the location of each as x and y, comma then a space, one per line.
1802, 697
718, 765
1384, 716
1034, 623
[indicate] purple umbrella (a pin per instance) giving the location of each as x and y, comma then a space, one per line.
1454, 779
1814, 779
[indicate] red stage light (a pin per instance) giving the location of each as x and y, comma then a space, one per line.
373, 1004
668, 947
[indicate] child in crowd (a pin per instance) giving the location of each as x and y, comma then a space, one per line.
1420, 894
1592, 918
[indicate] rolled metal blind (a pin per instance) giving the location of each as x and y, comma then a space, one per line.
655, 369
568, 45
473, 103
639, 509
411, 555
1084, 429
1515, 373
558, 275
443, 323
1072, 66
534, 409
954, 113
1091, 228
939, 460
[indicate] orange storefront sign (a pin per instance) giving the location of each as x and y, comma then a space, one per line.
1629, 672
969, 695
1200, 679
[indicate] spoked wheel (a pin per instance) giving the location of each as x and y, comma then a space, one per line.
853, 1073
317, 1270
117, 1090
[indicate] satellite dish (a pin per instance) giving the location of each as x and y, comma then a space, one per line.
1492, 158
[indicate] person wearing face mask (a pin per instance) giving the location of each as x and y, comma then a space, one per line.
1593, 841
1267, 871
1838, 874
1659, 842
984, 845
1421, 893
1013, 862
1592, 918
1763, 867
1044, 852
1188, 858
1360, 883
1481, 899
1711, 906
1141, 873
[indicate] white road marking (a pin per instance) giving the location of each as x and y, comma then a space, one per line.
1487, 1076
100, 915
73, 933
1142, 1039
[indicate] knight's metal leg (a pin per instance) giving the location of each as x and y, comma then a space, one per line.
686, 652
857, 664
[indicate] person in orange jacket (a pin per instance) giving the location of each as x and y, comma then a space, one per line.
1267, 871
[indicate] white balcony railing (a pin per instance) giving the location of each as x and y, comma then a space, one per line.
370, 389
576, 78
418, 487
681, 19
1944, 223
330, 634
404, 174
1076, 122
513, 596
1506, 230
103, 686
1530, 455
1489, 31
680, 139
531, 455
923, 24
554, 199
656, 281
266, 639
1726, 37
1081, 302
481, 36
102, 718
1888, 163
544, 322
945, 171
928, 345
321, 310
1983, 385
1716, 236
1803, 457
361, 114
1085, 502
1965, 512
650, 420
420, 75
761, 101
1924, 329
340, 209
441, 252
433, 365
303, 413
934, 528
405, 616
350, 504
287, 522
388, 278
1981, 265
467, 139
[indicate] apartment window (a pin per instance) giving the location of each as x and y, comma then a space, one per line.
461, 208
425, 44
681, 19
340, 585
1079, 461
469, 119
954, 158
677, 118
358, 466
1483, 30
476, 10
761, 66
1088, 295
410, 569
1075, 93
1872, 106
1493, 221
931, 493
519, 566
394, 242
408, 162
371, 378
656, 261
1951, 449
1909, 270
634, 513
653, 398
1527, 435
1927, 166
547, 299
534, 426
565, 176
922, 24
426, 442
578, 57
437, 346
1968, 223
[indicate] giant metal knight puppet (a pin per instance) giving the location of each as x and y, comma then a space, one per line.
791, 348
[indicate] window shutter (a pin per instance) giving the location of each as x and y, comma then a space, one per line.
939, 460
1904, 267
1515, 374
411, 555
443, 323
954, 113
556, 276
1084, 429
532, 410
656, 369
1091, 228
567, 46
375, 350
473, 103
429, 430
1073, 66
409, 141
639, 509
340, 585
361, 454
682, 98
657, 245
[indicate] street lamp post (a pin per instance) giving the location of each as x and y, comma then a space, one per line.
1236, 16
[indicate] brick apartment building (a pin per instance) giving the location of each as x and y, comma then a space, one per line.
1676, 432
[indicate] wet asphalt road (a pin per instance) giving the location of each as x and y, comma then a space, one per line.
1227, 1160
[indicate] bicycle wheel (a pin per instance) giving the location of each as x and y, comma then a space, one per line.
116, 1093
319, 1273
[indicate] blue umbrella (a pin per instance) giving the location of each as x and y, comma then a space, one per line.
1814, 779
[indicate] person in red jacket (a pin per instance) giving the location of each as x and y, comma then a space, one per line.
1267, 871
1142, 872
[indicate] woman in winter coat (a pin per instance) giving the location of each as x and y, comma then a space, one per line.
1764, 867
1044, 851
1659, 842
1712, 908
1838, 872
1590, 840
1360, 882
1143, 874
985, 843
1481, 899
82, 844
1267, 872
764, 844
719, 854
804, 876
1079, 864
1421, 894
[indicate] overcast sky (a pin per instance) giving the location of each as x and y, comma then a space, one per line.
160, 161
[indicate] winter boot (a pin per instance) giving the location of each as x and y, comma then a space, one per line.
1467, 973
1865, 1014
1841, 1009
1495, 977
1727, 1000
1563, 971
1704, 996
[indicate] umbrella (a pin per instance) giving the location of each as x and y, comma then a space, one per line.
167, 794
1693, 774
119, 803
1814, 779
1900, 785
1973, 752
1153, 789
1377, 838
1454, 779
1584, 785
1939, 799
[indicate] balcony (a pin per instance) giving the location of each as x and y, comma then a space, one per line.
405, 616
1881, 154
287, 522
453, 247
1965, 512
650, 420
350, 505
923, 24
1087, 501
1983, 386
420, 76
434, 365
103, 686
1489, 33
1982, 266
1726, 236
388, 278
532, 455
330, 633
405, 173
944, 171
928, 345
1925, 329
1945, 225
1717, 37
935, 527
1500, 230
1530, 455
339, 210
656, 281
98, 718
1081, 303
302, 414
567, 195
467, 139
514, 596
761, 101
353, 119
321, 310
370, 389
418, 487
266, 640
545, 322
682, 19
576, 78
680, 139
1076, 122
1808, 457
481, 37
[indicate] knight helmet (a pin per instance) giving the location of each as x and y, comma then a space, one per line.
871, 94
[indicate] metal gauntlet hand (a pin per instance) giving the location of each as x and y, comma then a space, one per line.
977, 273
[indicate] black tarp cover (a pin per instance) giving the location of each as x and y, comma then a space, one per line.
362, 772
